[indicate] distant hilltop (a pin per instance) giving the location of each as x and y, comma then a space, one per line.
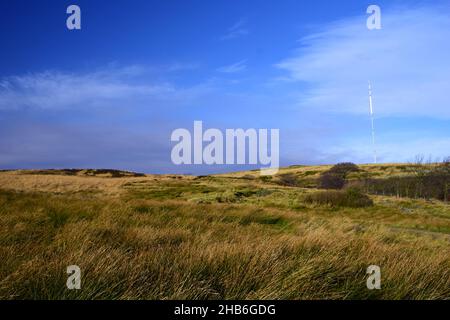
112, 173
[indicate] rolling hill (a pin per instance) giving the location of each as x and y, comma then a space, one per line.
228, 236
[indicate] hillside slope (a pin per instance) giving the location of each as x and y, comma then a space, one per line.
232, 236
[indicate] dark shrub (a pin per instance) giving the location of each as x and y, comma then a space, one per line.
288, 179
352, 198
426, 181
344, 168
331, 181
335, 177
446, 164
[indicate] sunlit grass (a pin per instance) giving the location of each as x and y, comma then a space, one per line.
213, 238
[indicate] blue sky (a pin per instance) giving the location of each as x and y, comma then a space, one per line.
109, 95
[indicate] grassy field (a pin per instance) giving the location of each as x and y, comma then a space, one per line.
232, 236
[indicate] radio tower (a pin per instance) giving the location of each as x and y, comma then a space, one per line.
373, 127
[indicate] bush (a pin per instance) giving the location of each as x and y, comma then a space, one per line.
331, 181
288, 179
427, 181
344, 168
351, 197
335, 177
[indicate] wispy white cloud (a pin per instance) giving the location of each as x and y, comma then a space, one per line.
239, 29
234, 68
407, 62
182, 67
111, 87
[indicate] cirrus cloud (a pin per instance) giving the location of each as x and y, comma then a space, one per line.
111, 87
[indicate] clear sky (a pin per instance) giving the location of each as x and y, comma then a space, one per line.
109, 95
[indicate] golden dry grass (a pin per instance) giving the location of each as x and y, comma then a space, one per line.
221, 237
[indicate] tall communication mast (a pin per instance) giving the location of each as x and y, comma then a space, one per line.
372, 121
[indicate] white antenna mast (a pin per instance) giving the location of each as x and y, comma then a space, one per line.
373, 127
